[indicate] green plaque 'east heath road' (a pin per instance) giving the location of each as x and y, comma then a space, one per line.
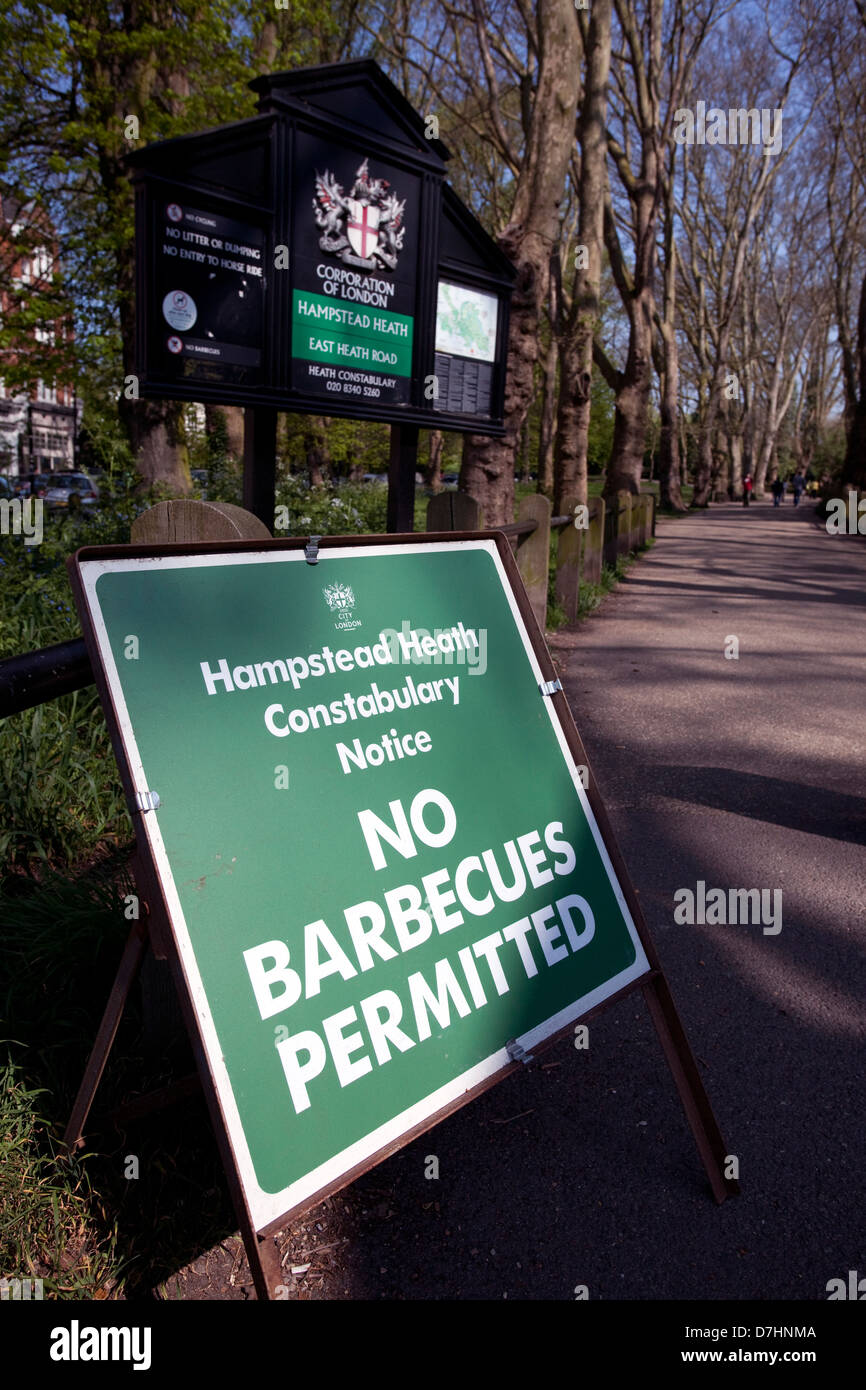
379, 861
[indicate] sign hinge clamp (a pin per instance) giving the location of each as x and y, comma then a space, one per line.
311, 550
517, 1053
147, 801
550, 687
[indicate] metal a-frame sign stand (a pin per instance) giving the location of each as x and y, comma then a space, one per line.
312, 259
165, 929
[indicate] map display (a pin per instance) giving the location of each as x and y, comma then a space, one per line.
466, 322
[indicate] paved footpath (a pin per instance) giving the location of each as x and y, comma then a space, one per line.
747, 773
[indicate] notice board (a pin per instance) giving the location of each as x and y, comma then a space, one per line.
313, 258
380, 868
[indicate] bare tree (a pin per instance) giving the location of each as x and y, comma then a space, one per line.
733, 193
581, 329
530, 237
651, 70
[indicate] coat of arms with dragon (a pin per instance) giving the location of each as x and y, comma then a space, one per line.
364, 228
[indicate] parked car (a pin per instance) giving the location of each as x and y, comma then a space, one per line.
71, 492
32, 484
199, 477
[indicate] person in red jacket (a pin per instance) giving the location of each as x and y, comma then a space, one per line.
747, 489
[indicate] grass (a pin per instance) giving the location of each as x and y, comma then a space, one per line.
81, 1224
56, 956
592, 595
78, 1224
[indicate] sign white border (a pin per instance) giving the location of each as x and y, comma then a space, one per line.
267, 1207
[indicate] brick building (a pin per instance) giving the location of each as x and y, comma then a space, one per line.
38, 428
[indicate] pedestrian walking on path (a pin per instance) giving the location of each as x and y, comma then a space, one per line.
798, 486
778, 490
747, 489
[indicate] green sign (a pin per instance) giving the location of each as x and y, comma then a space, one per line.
351, 335
380, 866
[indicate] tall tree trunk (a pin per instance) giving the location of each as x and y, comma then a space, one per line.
488, 464
524, 452
632, 402
316, 448
737, 471
670, 496
548, 415
235, 429
572, 433
644, 189
154, 427
156, 435
232, 417
854, 470
433, 477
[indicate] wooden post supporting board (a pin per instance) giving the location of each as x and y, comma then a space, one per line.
401, 478
260, 463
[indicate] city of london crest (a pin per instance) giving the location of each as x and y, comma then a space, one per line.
339, 597
364, 228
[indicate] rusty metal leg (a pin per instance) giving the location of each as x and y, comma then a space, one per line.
130, 961
264, 1260
699, 1112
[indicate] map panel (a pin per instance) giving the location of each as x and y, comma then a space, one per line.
466, 322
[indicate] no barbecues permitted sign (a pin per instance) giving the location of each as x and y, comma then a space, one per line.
377, 855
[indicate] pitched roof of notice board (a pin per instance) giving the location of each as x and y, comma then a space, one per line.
466, 245
377, 105
232, 158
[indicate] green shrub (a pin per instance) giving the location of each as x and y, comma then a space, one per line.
352, 510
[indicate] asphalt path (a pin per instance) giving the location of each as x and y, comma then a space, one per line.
580, 1171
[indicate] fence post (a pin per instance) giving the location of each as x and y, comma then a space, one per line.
568, 564
533, 552
653, 508
623, 522
638, 522
185, 520
610, 520
454, 511
593, 543
648, 514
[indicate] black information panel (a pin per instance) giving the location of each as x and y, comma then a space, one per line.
465, 387
354, 273
207, 314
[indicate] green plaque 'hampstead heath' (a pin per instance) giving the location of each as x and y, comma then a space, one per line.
378, 859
